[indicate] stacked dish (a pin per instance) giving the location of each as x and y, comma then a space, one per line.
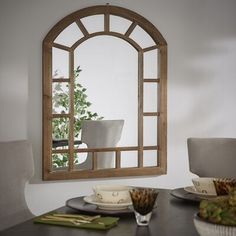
110, 197
211, 187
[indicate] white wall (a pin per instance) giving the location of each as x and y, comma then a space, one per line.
201, 37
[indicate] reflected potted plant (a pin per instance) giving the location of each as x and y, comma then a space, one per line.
81, 112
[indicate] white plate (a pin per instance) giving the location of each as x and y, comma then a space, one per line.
191, 189
106, 206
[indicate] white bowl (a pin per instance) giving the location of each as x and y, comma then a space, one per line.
209, 229
204, 185
115, 194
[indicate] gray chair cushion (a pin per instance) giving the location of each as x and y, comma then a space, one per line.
16, 167
212, 157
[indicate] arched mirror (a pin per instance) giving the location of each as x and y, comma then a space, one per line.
104, 96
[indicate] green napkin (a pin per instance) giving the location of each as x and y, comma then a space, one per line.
101, 223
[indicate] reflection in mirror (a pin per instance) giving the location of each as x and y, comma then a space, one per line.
150, 131
60, 131
149, 158
60, 161
100, 134
69, 35
150, 98
131, 161
80, 158
60, 128
59, 69
109, 73
150, 60
119, 24
93, 23
60, 98
142, 38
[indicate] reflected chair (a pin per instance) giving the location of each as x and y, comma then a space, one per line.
212, 157
16, 168
101, 134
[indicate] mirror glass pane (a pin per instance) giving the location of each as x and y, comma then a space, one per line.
150, 97
129, 159
60, 98
150, 131
60, 63
119, 24
60, 161
150, 69
141, 37
80, 159
60, 130
93, 23
106, 160
69, 35
109, 77
149, 158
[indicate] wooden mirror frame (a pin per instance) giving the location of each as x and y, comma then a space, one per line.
161, 147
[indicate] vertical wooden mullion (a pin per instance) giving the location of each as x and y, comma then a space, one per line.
107, 19
71, 115
118, 159
163, 108
158, 106
140, 109
47, 109
94, 162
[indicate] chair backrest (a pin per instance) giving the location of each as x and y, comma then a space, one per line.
212, 157
102, 133
16, 168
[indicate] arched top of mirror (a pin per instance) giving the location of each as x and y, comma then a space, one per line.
79, 26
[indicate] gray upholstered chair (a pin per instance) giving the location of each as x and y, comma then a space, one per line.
212, 157
16, 168
101, 133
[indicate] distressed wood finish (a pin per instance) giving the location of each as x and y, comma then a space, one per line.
161, 114
71, 117
162, 134
140, 109
104, 173
81, 27
107, 149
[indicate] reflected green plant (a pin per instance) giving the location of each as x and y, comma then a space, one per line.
82, 112
60, 160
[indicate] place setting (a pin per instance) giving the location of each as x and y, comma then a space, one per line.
113, 200
108, 203
106, 199
216, 197
204, 188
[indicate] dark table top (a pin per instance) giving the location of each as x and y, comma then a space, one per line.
171, 217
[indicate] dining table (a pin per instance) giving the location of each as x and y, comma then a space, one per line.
171, 216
